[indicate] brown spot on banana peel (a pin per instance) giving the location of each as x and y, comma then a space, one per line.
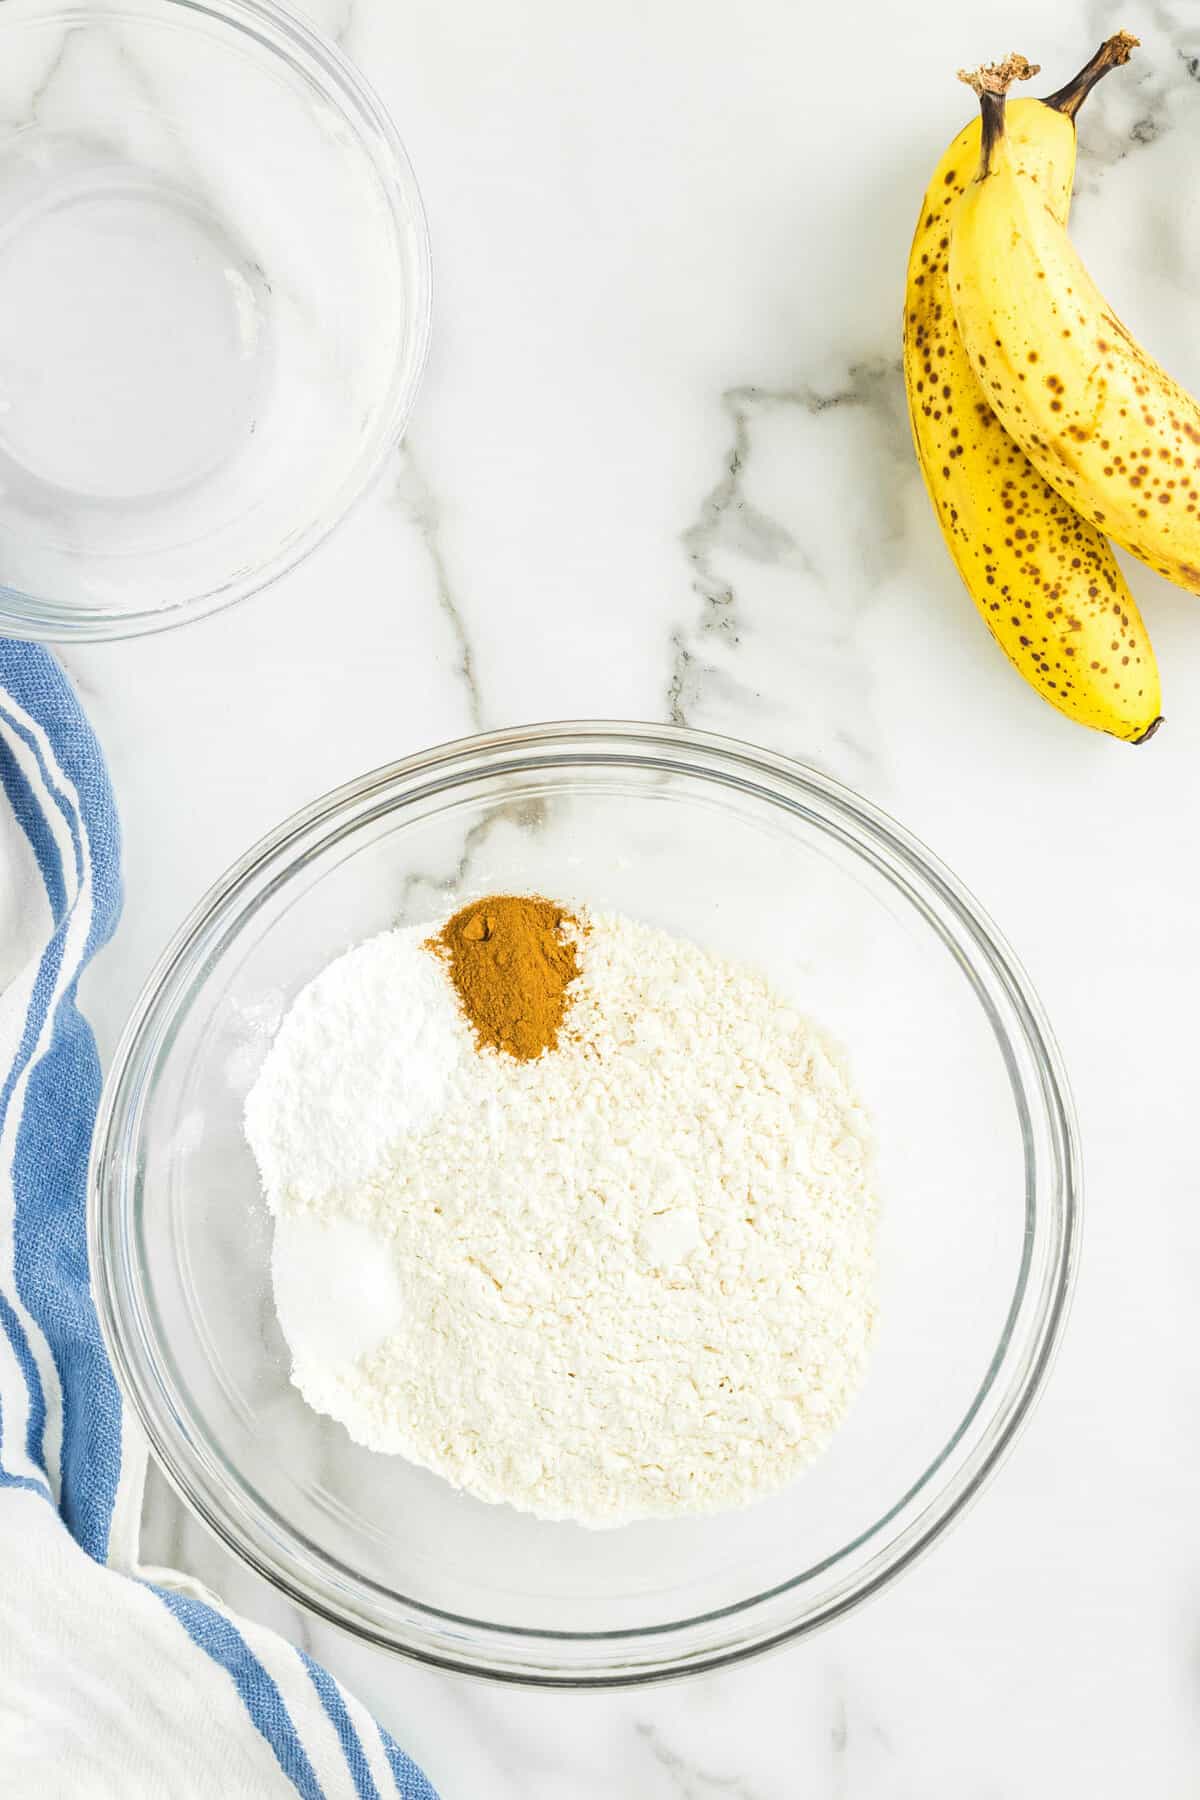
1029, 575
1154, 517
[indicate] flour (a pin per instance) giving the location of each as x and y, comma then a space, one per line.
631, 1278
363, 1057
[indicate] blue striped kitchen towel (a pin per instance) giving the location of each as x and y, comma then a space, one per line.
115, 1680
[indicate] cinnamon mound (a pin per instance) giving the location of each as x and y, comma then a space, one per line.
511, 962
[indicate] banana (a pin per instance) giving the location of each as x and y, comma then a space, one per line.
1097, 416
1044, 579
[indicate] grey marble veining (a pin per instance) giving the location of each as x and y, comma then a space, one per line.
418, 505
692, 1783
780, 566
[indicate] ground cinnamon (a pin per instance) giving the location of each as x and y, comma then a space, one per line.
511, 958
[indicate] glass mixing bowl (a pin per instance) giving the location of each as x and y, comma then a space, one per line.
750, 854
214, 272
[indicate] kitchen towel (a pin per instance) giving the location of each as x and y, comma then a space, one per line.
115, 1680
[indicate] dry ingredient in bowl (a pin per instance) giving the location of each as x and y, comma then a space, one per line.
629, 1276
511, 958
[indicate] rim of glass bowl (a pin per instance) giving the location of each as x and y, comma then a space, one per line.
285, 35
1019, 1364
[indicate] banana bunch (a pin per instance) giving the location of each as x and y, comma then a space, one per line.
1040, 425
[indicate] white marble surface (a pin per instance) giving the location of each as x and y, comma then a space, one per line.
660, 468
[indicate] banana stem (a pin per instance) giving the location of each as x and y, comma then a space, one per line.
1112, 53
991, 81
998, 77
991, 107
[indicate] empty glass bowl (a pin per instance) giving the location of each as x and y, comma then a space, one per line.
214, 305
751, 855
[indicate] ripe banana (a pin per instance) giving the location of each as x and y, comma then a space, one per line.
1098, 417
1044, 579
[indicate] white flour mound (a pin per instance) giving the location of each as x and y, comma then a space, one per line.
633, 1278
362, 1058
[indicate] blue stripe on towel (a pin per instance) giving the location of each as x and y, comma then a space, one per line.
343, 1724
51, 1267
259, 1691
53, 777
35, 1425
49, 1177
62, 802
28, 1482
32, 818
411, 1784
24, 1481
